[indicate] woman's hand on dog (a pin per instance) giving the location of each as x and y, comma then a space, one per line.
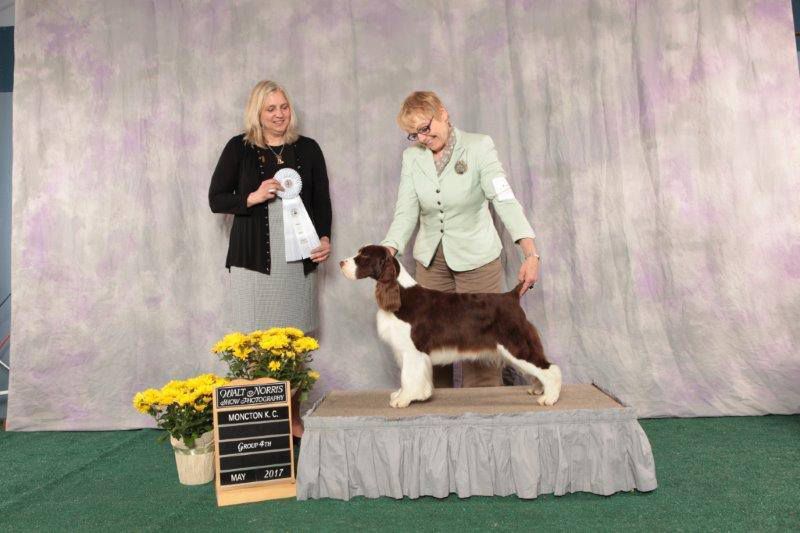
528, 274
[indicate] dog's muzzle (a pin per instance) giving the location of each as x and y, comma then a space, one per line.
348, 268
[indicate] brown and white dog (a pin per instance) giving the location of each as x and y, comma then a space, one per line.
426, 327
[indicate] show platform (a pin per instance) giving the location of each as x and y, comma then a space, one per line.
472, 442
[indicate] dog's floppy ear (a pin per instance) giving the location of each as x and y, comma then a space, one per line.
389, 270
387, 291
388, 296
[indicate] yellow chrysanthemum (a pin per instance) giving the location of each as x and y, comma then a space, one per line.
153, 397
305, 344
237, 337
168, 395
242, 352
313, 374
230, 342
274, 342
142, 401
186, 392
293, 332
274, 365
188, 397
139, 404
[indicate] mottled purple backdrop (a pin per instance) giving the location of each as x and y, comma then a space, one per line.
655, 146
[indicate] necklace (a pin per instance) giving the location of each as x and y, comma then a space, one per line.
277, 154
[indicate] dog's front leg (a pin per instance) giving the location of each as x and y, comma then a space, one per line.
416, 379
398, 357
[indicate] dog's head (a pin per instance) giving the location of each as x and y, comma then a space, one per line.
378, 263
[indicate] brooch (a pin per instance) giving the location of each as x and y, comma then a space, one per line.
461, 167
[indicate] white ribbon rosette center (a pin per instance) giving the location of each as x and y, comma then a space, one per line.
298, 230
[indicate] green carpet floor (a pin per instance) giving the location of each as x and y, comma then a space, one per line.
714, 474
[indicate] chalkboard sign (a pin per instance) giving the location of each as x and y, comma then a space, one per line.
252, 426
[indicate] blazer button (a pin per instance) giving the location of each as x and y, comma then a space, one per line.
437, 191
442, 230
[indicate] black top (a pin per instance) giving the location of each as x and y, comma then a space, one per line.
240, 170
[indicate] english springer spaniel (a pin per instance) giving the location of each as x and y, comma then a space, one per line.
426, 327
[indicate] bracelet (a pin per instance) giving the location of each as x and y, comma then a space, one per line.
534, 255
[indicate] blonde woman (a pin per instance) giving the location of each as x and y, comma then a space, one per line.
447, 180
266, 290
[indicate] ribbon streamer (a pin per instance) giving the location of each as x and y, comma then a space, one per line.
298, 230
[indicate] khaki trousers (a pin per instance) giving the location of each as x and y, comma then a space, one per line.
488, 278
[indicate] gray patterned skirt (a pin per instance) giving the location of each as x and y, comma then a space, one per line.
285, 297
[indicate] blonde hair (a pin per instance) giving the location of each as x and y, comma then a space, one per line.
253, 132
418, 103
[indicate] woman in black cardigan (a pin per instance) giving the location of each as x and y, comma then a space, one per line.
266, 290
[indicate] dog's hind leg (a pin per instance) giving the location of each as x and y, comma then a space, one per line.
549, 377
416, 379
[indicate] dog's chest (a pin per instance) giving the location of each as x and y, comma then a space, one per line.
394, 331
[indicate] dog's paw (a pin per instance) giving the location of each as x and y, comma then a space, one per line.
399, 402
552, 386
550, 397
544, 400
422, 394
395, 394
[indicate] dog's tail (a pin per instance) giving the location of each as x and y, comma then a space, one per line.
516, 289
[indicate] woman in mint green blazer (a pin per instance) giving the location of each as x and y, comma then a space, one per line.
447, 181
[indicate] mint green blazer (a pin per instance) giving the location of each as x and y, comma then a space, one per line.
454, 208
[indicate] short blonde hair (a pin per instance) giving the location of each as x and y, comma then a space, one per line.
252, 114
416, 104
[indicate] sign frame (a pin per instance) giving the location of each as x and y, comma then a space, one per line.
252, 491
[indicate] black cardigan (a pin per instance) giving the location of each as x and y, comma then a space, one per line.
237, 175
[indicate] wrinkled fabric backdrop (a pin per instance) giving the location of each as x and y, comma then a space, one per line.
654, 145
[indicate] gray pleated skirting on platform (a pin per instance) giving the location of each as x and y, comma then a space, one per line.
285, 297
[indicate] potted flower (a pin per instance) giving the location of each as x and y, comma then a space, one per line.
279, 353
184, 410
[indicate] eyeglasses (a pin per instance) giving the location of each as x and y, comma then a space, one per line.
424, 130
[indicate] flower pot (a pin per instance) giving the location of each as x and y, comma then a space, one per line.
195, 465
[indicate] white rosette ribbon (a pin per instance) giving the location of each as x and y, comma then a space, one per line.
298, 230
